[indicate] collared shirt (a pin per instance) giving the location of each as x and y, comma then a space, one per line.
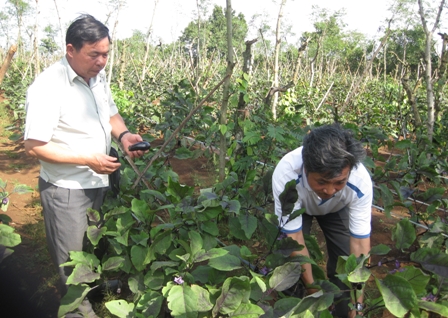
62, 108
356, 195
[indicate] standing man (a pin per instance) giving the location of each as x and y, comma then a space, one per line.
335, 188
70, 121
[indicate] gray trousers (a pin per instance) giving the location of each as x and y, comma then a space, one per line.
335, 227
66, 222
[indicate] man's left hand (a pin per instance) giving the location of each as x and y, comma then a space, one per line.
130, 139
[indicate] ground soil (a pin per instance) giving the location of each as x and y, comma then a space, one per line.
28, 284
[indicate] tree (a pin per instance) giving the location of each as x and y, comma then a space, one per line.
213, 36
18, 9
429, 32
48, 43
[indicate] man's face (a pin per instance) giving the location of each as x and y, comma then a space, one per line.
326, 188
90, 59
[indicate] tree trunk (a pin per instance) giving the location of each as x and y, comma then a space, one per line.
7, 62
36, 41
428, 67
226, 94
113, 45
277, 53
148, 38
60, 28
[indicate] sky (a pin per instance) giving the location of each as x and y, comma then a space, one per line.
172, 16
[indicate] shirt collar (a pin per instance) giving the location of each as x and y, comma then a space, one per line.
72, 74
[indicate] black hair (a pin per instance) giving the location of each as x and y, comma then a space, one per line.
330, 149
85, 29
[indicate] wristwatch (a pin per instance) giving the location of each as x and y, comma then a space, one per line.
359, 306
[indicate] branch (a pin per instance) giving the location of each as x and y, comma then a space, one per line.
176, 131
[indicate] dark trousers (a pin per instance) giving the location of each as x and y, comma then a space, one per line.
335, 227
66, 222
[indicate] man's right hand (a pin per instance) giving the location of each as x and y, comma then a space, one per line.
102, 163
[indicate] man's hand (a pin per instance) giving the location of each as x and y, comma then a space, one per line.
130, 139
103, 164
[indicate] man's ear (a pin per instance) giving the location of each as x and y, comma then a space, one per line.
70, 49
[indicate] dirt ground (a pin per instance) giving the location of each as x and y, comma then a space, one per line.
27, 278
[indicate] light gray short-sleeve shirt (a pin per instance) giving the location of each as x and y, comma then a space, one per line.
62, 108
356, 195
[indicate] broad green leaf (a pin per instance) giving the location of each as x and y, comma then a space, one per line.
380, 249
150, 304
252, 137
313, 248
288, 197
183, 301
285, 276
248, 224
415, 277
3, 184
139, 256
5, 219
120, 308
72, 299
386, 196
204, 303
247, 310
80, 257
432, 260
284, 307
94, 216
234, 206
95, 234
225, 263
136, 283
162, 264
178, 191
210, 227
112, 263
154, 279
141, 238
286, 246
195, 242
210, 254
141, 209
398, 295
403, 234
7, 237
434, 307
82, 274
235, 290
316, 302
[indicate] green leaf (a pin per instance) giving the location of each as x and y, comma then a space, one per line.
398, 295
235, 290
141, 209
403, 234
183, 302
248, 224
225, 263
319, 301
432, 260
120, 308
276, 132
82, 274
210, 227
7, 237
150, 304
234, 206
380, 249
442, 310
247, 310
210, 254
80, 257
112, 263
285, 276
72, 299
252, 137
141, 238
386, 196
204, 303
95, 234
178, 191
415, 277
195, 242
94, 216
288, 197
5, 219
139, 256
